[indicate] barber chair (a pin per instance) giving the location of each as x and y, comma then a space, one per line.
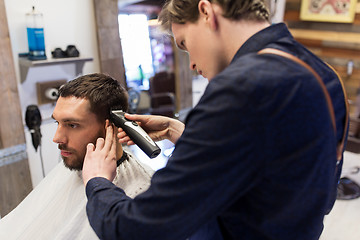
159, 100
134, 99
162, 94
139, 102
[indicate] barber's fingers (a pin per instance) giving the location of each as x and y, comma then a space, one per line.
99, 143
113, 147
90, 147
123, 137
107, 145
121, 133
109, 138
137, 117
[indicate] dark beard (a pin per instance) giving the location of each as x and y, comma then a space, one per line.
77, 167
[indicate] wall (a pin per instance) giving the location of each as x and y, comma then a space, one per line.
66, 22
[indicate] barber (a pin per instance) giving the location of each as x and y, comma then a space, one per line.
257, 158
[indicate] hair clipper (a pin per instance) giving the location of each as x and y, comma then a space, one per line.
135, 132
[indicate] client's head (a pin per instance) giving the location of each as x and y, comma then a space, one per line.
80, 112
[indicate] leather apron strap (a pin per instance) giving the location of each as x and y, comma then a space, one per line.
340, 146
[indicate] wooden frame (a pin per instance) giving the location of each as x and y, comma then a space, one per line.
342, 11
15, 177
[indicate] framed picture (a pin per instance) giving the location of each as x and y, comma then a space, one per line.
328, 10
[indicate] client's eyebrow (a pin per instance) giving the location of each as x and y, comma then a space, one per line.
67, 119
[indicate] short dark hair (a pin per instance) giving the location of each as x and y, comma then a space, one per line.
183, 11
103, 92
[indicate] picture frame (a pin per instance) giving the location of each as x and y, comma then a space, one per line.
341, 11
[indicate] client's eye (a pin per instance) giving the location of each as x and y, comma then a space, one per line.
71, 125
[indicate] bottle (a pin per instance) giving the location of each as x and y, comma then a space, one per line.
35, 34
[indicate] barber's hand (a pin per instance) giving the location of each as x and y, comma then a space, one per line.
157, 127
100, 161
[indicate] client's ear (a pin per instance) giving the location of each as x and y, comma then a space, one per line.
107, 123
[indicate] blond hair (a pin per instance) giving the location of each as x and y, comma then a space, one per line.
182, 11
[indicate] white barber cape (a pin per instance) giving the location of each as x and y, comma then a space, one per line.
56, 208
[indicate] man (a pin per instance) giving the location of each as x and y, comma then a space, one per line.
81, 112
55, 209
258, 158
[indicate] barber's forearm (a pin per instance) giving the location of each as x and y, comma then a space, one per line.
113, 215
99, 206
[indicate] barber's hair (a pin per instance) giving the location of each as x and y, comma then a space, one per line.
103, 92
183, 11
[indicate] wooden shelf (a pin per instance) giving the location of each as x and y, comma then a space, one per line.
25, 64
344, 37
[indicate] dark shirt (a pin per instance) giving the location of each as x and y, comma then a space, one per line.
257, 159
